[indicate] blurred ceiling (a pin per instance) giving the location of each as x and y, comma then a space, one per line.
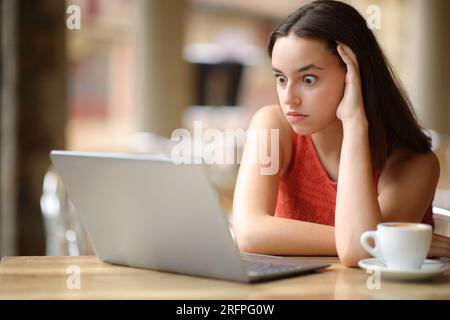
268, 9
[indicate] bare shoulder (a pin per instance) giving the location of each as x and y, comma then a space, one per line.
407, 185
271, 117
418, 167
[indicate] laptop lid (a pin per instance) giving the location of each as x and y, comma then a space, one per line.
144, 211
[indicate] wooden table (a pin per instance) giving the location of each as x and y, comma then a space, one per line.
47, 278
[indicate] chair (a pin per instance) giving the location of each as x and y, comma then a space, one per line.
65, 235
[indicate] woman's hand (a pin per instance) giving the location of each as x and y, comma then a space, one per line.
352, 103
440, 247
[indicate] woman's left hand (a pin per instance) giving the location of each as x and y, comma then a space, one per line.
352, 103
440, 247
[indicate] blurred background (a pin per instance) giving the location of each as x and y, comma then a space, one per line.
138, 69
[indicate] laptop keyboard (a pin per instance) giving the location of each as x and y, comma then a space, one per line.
265, 268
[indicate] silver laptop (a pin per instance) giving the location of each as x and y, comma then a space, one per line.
145, 211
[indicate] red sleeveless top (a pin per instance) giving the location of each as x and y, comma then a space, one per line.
307, 193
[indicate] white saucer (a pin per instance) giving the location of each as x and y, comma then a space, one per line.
430, 268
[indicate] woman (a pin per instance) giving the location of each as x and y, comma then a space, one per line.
342, 116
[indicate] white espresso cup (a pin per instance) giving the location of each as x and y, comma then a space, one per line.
402, 246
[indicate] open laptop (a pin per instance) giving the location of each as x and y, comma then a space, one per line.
145, 211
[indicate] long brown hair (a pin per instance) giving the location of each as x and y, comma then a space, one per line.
388, 109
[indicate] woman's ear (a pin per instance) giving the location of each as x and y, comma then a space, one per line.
338, 57
332, 47
341, 62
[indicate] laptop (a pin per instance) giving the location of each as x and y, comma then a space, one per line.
145, 211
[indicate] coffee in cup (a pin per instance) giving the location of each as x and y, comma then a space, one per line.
401, 245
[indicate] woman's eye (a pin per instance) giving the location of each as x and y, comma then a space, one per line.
309, 80
281, 79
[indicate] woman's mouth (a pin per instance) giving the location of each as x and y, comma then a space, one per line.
296, 117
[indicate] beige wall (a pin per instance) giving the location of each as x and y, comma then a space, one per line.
162, 75
431, 91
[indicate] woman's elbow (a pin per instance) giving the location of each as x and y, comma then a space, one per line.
246, 245
246, 239
349, 262
243, 233
243, 240
349, 258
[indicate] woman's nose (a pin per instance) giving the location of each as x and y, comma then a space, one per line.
291, 97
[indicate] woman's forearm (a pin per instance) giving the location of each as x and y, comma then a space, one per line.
357, 208
280, 236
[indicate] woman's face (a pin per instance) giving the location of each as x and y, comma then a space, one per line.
310, 81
